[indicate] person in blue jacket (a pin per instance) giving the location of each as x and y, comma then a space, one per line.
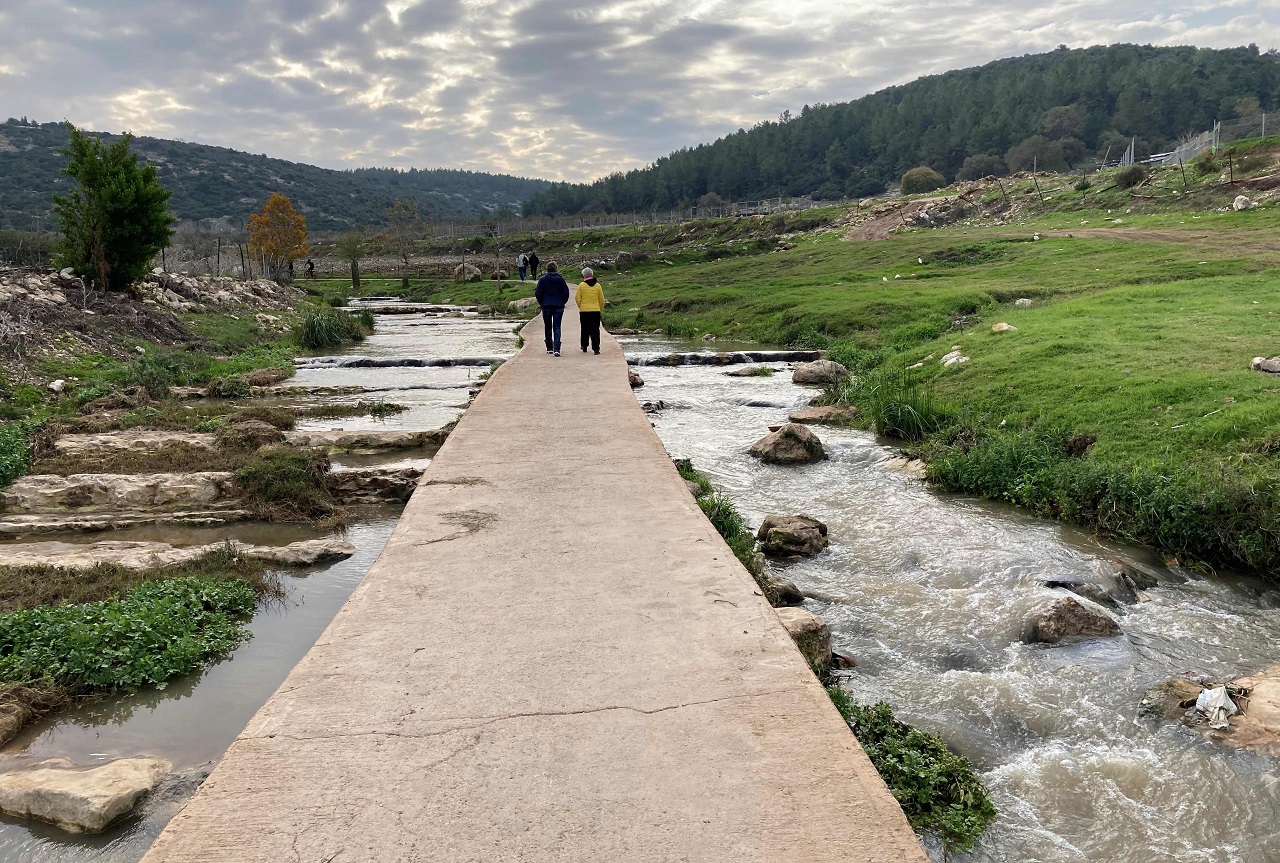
552, 294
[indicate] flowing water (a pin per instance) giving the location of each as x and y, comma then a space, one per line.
929, 593
195, 718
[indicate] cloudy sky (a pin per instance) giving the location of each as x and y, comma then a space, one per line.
562, 89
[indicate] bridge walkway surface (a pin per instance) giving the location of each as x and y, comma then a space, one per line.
556, 658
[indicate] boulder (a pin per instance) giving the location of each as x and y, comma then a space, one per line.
1023, 303
791, 444
810, 633
80, 799
308, 552
954, 358
1002, 327
1068, 619
1243, 202
1270, 365
521, 304
634, 379
1257, 726
465, 272
374, 485
834, 415
819, 373
747, 371
791, 536
1172, 699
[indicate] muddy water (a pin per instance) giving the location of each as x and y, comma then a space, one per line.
194, 719
930, 593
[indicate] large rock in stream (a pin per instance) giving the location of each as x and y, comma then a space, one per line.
791, 444
834, 415
819, 373
1069, 619
80, 799
791, 536
1254, 726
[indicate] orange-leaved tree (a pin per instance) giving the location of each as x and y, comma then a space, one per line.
278, 235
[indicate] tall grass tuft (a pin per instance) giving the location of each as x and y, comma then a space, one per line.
899, 405
329, 328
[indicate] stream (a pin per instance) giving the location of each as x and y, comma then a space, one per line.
929, 593
932, 593
195, 718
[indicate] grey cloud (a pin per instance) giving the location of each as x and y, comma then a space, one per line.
344, 83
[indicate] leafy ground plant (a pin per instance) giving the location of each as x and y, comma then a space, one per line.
938, 790
159, 630
15, 452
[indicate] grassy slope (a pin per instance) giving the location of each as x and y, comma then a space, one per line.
1141, 335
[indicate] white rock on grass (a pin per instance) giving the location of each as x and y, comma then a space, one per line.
80, 799
819, 372
1002, 327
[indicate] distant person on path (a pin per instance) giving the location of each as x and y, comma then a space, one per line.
311, 269
291, 271
552, 294
590, 300
533, 264
522, 264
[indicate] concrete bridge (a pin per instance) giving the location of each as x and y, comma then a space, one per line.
556, 658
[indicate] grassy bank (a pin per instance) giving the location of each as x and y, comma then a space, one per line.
57, 625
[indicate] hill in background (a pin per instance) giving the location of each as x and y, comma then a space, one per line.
1064, 108
221, 185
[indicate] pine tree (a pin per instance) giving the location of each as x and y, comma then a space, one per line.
116, 219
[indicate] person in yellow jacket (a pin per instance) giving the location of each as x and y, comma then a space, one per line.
590, 300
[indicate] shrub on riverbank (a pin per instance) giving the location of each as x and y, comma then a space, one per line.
897, 403
1221, 518
939, 791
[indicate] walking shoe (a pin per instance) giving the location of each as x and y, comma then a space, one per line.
557, 353
597, 353
584, 350
548, 350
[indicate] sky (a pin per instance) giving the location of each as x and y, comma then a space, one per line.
558, 89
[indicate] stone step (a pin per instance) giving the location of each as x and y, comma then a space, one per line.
335, 441
148, 555
129, 495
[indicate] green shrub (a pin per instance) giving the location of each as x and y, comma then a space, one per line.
1127, 178
922, 179
1083, 185
337, 301
15, 452
939, 791
287, 483
229, 388
1207, 165
160, 630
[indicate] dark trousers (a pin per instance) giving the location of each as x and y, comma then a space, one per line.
551, 318
533, 271
590, 330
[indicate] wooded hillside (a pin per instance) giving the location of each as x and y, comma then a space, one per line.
1062, 108
221, 184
